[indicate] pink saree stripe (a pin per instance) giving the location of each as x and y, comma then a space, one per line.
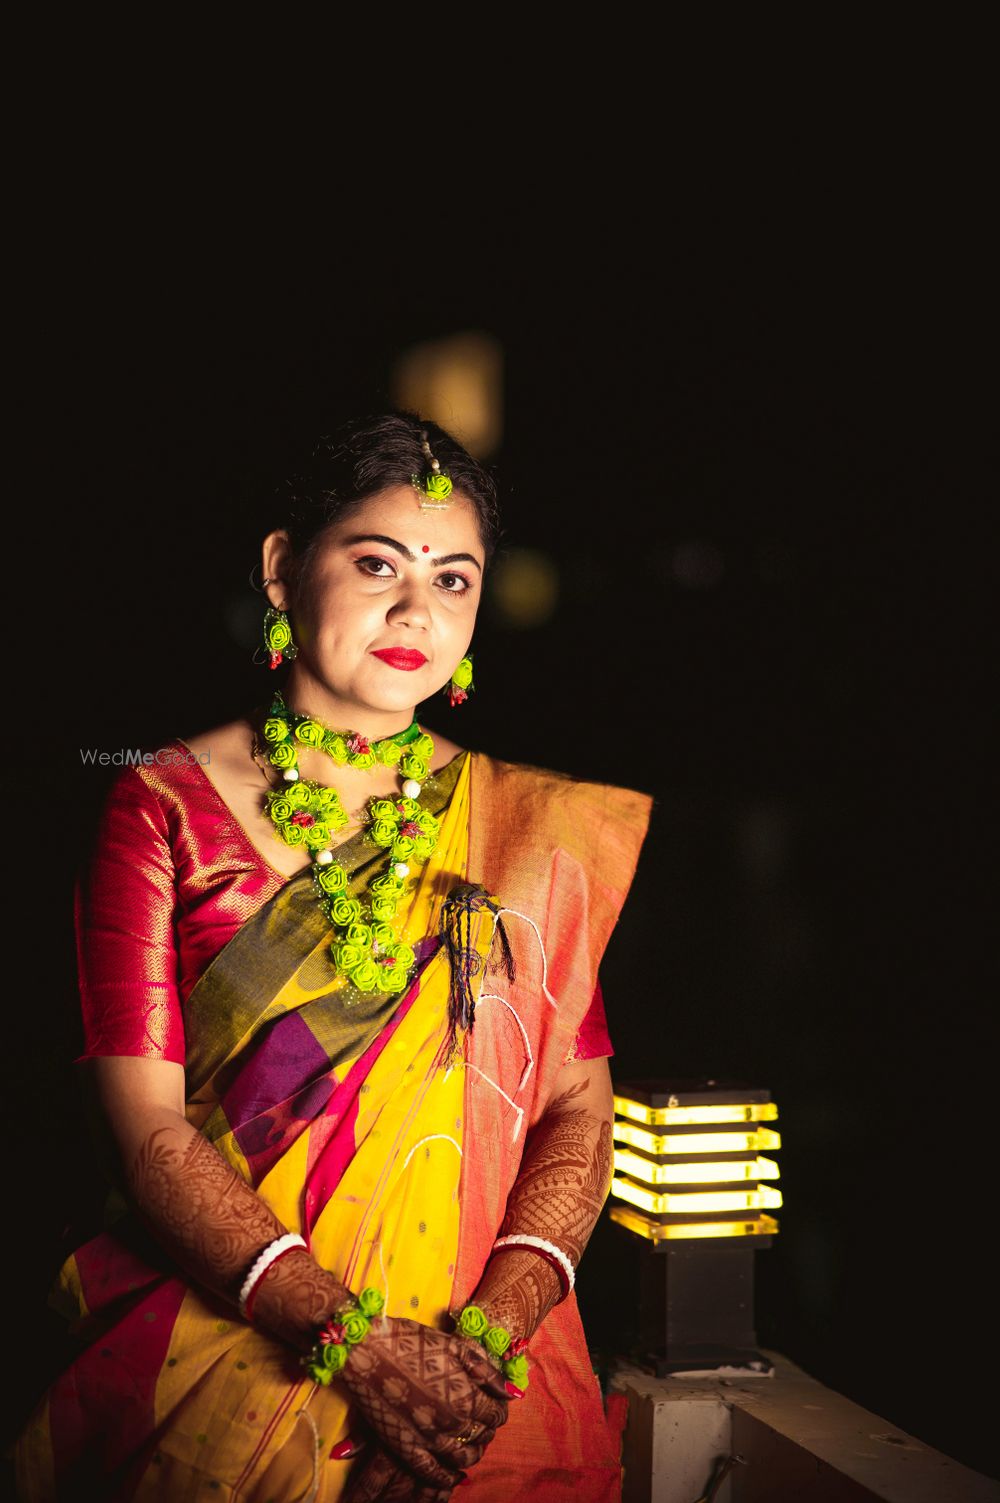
102, 1409
332, 1137
109, 1268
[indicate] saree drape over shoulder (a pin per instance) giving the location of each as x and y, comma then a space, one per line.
338, 1111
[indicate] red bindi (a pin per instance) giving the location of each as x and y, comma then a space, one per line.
426, 548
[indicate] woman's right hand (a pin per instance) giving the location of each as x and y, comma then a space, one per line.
433, 1400
295, 1297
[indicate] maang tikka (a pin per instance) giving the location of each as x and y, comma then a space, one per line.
434, 487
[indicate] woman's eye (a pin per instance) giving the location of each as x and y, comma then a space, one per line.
454, 584
379, 568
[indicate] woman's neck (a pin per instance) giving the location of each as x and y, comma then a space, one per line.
307, 696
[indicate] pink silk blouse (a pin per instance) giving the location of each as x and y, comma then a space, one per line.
172, 877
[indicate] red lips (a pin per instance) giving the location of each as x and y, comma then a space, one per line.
406, 658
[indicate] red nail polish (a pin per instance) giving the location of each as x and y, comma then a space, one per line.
346, 1448
513, 1392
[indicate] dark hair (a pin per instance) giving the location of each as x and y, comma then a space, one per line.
368, 455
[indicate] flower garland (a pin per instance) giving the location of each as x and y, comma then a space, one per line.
339, 1333
511, 1357
366, 948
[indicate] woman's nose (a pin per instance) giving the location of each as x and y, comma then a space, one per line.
411, 607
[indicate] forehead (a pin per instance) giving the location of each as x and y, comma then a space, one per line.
397, 513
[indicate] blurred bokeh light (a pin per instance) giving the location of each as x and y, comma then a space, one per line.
457, 382
524, 588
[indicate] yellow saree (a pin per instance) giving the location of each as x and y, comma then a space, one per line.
394, 1167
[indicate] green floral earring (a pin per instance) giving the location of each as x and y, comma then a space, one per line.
278, 637
461, 682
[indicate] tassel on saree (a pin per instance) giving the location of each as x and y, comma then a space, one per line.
466, 900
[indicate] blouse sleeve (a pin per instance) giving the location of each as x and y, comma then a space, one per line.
124, 906
592, 1038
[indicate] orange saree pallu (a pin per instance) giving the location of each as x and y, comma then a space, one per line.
392, 1155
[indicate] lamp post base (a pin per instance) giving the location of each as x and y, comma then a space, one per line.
714, 1362
696, 1309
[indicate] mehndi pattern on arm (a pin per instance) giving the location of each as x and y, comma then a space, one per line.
558, 1195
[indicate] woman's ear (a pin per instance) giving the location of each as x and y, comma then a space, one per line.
276, 568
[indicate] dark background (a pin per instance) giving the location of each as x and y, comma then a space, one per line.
772, 598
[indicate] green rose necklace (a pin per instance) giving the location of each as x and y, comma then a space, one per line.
366, 948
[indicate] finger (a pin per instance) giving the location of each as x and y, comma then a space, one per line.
392, 1483
489, 1411
411, 1451
464, 1430
405, 1488
370, 1479
348, 1448
441, 1474
402, 1441
478, 1366
468, 1455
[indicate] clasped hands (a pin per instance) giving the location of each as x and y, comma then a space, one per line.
433, 1401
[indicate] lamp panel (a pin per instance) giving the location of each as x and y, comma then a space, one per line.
725, 1171
699, 1201
687, 1143
658, 1231
679, 1116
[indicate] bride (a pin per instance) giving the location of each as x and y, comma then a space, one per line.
345, 1040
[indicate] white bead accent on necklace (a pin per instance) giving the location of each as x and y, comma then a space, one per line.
523, 1240
291, 775
272, 1251
323, 858
401, 869
411, 788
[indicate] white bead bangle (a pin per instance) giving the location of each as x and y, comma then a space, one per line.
271, 1253
549, 1248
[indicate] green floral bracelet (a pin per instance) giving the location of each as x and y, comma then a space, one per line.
337, 1335
510, 1356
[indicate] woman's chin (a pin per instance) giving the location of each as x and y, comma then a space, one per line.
401, 691
394, 699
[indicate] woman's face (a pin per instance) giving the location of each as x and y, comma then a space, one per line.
388, 603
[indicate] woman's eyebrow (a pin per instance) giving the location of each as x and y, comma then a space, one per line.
377, 537
454, 558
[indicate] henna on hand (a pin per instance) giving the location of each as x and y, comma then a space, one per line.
379, 1477
295, 1297
434, 1401
214, 1226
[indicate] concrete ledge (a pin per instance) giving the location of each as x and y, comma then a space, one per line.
797, 1441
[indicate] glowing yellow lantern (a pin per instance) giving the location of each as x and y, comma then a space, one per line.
694, 1180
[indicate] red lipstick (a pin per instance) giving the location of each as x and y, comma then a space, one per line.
406, 658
